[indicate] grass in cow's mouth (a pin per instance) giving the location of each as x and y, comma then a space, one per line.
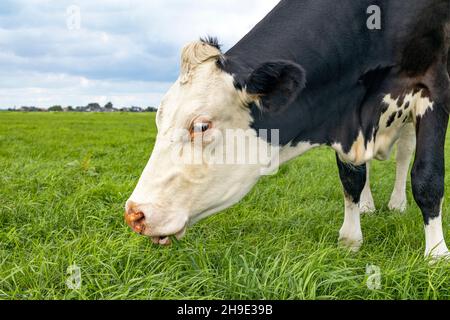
64, 179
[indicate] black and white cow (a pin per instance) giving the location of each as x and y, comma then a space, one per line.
314, 71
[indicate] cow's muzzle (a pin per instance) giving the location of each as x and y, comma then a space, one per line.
136, 220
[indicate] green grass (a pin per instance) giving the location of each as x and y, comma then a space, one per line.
64, 179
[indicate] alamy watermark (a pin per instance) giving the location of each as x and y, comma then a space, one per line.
374, 20
74, 280
228, 147
373, 277
73, 18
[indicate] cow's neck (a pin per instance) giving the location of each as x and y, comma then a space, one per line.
330, 40
296, 31
292, 32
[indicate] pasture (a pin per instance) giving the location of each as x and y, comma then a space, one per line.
64, 179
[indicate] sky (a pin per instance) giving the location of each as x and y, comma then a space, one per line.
58, 52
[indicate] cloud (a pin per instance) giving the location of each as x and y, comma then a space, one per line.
45, 89
121, 45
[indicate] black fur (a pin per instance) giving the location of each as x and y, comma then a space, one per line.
348, 67
278, 84
353, 179
428, 172
427, 38
391, 119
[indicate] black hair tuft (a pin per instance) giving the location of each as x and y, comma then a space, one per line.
212, 41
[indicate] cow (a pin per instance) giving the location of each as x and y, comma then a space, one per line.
312, 73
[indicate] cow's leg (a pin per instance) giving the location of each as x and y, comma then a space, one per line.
405, 149
353, 180
428, 176
367, 205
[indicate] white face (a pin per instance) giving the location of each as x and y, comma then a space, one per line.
173, 194
206, 156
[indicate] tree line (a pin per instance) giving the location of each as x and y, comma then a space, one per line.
91, 107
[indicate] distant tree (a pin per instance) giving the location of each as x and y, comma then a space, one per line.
109, 106
55, 109
151, 109
70, 109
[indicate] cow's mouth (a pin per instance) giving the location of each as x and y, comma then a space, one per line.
167, 240
137, 223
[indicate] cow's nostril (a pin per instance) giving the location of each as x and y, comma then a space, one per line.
134, 216
136, 220
139, 228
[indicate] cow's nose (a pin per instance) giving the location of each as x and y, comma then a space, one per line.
135, 218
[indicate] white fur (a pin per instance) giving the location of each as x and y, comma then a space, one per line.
387, 136
367, 205
360, 152
350, 234
405, 150
436, 247
422, 105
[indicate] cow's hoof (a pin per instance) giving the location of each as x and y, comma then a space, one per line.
438, 255
433, 260
354, 245
367, 207
398, 204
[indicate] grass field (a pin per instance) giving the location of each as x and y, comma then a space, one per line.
64, 179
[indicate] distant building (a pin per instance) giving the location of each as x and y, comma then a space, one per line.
135, 109
94, 107
109, 107
29, 109
80, 109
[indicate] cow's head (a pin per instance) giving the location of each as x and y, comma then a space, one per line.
185, 180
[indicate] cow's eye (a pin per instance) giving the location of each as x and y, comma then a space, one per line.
200, 126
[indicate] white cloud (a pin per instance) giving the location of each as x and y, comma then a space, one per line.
45, 89
125, 51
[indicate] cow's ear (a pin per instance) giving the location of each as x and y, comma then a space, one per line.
276, 84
